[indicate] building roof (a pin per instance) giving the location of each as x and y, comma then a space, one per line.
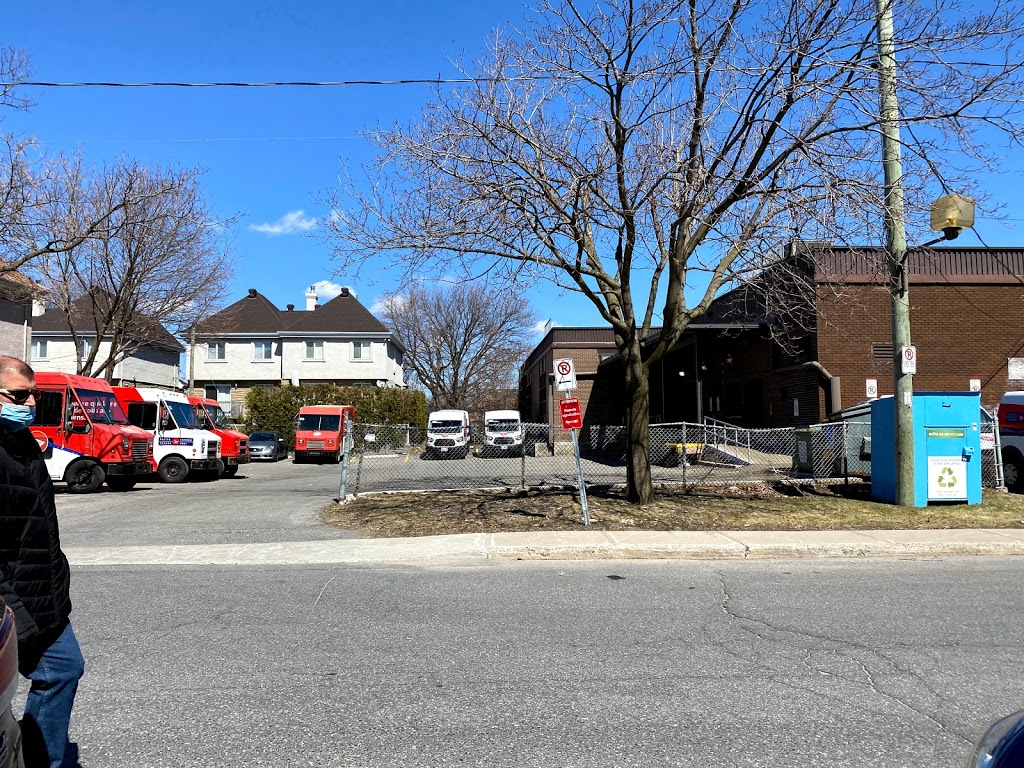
18, 288
142, 328
256, 315
951, 265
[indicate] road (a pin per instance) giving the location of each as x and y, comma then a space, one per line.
752, 663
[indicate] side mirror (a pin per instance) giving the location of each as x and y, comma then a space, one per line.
1002, 746
82, 429
68, 426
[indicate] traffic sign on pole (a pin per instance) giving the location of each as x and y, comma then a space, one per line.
908, 358
569, 410
565, 374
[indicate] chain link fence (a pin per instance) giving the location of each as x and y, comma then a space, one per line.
389, 457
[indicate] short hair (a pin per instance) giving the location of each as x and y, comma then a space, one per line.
18, 367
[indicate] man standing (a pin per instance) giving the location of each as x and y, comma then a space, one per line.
34, 574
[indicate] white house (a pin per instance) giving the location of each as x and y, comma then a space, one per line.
154, 363
252, 343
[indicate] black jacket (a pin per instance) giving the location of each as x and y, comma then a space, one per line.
34, 574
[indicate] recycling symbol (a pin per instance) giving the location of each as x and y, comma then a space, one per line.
946, 478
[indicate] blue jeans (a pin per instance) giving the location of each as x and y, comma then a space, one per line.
48, 706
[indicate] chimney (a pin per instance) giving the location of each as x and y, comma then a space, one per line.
252, 293
311, 298
344, 291
291, 307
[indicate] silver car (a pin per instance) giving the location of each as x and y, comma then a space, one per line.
267, 445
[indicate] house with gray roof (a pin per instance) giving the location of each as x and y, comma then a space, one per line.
153, 355
19, 303
252, 343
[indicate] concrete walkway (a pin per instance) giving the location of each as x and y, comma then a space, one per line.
575, 545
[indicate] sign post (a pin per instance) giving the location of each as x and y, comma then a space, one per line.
347, 441
572, 419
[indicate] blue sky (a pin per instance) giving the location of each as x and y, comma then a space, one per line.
265, 151
270, 154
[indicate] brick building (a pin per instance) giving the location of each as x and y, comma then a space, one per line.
967, 322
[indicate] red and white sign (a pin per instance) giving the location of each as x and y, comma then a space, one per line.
569, 410
871, 390
565, 374
42, 439
908, 358
975, 385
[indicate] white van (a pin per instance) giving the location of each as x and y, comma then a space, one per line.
503, 433
448, 434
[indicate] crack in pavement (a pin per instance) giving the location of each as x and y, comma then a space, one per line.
846, 649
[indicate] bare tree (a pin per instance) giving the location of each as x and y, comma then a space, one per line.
648, 152
160, 262
33, 187
464, 343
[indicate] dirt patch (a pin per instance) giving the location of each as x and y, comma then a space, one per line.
763, 507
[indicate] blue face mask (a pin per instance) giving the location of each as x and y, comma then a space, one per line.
16, 417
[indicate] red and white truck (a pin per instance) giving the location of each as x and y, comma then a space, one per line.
234, 445
318, 431
85, 434
180, 446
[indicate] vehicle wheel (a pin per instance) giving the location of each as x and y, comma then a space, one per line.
84, 477
120, 483
221, 468
230, 471
1013, 470
173, 469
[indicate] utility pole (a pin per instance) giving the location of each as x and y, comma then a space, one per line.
896, 249
192, 359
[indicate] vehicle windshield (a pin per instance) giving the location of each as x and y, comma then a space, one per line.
262, 437
100, 407
319, 422
183, 415
502, 425
217, 415
449, 425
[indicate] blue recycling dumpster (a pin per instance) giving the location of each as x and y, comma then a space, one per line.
947, 448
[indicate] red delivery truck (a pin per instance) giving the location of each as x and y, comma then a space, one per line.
318, 431
234, 445
85, 434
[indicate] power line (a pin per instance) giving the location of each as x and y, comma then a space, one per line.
273, 84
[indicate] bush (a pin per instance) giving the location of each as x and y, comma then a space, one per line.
275, 408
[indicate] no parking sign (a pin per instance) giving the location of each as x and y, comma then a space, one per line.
565, 374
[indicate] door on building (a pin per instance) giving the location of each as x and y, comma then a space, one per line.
222, 394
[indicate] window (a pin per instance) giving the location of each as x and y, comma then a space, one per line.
215, 350
314, 350
49, 407
84, 348
360, 350
262, 350
39, 349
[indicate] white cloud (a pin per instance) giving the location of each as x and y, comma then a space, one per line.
541, 327
291, 223
326, 290
392, 299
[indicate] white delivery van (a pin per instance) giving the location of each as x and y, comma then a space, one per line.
180, 447
448, 434
503, 434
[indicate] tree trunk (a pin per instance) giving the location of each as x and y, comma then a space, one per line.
639, 486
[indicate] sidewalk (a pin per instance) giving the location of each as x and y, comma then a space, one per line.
575, 545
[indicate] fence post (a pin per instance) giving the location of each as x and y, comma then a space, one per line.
522, 460
346, 449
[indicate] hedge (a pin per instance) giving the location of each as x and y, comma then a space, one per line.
275, 408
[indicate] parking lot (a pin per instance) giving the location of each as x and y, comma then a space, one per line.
264, 502
267, 502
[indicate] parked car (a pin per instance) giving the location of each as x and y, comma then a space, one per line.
267, 445
10, 734
1002, 746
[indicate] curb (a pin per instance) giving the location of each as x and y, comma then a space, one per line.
574, 545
